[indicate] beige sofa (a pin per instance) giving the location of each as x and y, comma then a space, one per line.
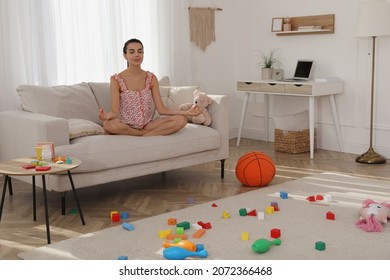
67, 116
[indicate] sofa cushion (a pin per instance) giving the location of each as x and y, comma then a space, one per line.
69, 102
174, 96
102, 95
101, 152
80, 128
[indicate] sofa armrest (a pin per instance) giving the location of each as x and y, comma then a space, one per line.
20, 131
219, 111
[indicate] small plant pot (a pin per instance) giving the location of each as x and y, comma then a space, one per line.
266, 73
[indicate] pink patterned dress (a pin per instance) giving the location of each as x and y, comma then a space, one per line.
136, 107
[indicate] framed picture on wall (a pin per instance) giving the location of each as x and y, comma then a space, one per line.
277, 24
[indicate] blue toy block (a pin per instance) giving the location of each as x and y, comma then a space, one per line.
124, 215
127, 226
283, 195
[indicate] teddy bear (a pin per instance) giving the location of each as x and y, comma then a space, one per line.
202, 100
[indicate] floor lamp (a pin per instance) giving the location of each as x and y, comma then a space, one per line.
373, 21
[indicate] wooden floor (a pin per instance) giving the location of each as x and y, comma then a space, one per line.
156, 194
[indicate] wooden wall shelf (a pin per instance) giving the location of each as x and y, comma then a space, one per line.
325, 21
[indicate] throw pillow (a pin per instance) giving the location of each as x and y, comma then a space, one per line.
73, 101
174, 96
79, 128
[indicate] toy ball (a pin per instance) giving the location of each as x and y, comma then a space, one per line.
255, 169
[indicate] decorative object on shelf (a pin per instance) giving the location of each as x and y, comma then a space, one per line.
373, 21
267, 62
277, 24
202, 25
286, 24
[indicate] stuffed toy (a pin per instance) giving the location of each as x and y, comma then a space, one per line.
373, 215
202, 100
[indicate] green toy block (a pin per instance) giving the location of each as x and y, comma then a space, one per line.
243, 212
185, 225
320, 246
179, 230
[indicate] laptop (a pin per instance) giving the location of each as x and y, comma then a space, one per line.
302, 70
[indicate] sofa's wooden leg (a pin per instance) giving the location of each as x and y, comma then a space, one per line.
63, 207
222, 168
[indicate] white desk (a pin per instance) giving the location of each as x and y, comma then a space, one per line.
309, 89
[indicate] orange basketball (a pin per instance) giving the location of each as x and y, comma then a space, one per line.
255, 169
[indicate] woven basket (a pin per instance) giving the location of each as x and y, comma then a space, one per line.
293, 142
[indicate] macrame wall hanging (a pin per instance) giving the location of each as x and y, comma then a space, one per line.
202, 25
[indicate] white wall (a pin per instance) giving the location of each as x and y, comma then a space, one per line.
243, 29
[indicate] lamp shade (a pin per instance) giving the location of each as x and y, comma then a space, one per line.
373, 19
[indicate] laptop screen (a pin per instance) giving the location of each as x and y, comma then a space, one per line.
303, 69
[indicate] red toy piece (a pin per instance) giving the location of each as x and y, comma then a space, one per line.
252, 213
330, 215
115, 217
275, 233
42, 168
214, 205
28, 166
311, 198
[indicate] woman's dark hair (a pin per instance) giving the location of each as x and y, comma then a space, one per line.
131, 41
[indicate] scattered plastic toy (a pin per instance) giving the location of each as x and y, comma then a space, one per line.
263, 245
178, 253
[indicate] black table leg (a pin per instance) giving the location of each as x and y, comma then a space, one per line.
46, 209
76, 198
3, 194
10, 186
34, 199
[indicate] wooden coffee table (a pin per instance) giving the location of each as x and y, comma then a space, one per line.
15, 168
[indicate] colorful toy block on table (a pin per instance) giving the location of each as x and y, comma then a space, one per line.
283, 195
245, 236
328, 198
172, 221
185, 225
42, 168
263, 245
269, 210
178, 253
260, 215
164, 233
124, 215
199, 233
179, 230
183, 244
113, 212
225, 215
69, 160
252, 213
205, 225
196, 226
275, 233
320, 246
128, 226
115, 217
175, 236
311, 198
243, 212
330, 215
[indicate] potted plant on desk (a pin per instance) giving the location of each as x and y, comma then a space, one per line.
267, 61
